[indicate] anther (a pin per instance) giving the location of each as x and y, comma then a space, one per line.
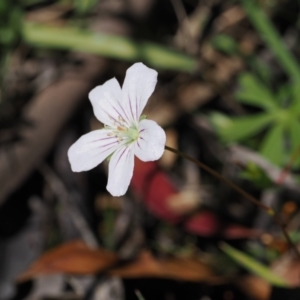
120, 128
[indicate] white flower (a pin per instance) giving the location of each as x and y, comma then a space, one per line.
125, 132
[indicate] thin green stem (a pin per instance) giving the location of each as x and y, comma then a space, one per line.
242, 192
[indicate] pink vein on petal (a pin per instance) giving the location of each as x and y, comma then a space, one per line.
121, 155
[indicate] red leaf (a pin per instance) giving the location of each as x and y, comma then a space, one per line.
154, 187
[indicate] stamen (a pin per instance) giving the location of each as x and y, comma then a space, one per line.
120, 128
112, 134
121, 119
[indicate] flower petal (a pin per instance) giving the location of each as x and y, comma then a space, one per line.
138, 86
120, 170
151, 143
91, 149
106, 103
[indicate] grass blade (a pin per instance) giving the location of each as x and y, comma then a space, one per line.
253, 266
71, 38
272, 38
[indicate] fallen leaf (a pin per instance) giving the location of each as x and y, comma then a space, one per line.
288, 267
255, 287
154, 187
205, 224
157, 192
146, 265
74, 257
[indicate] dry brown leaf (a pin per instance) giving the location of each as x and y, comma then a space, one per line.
78, 259
255, 287
73, 258
288, 267
146, 265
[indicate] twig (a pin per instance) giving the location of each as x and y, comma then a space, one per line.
242, 192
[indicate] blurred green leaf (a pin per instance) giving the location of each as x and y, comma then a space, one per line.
284, 95
256, 175
294, 133
73, 39
225, 43
254, 93
7, 36
239, 128
260, 68
253, 266
84, 6
4, 7
272, 38
272, 145
295, 106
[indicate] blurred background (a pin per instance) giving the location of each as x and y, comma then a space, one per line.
228, 94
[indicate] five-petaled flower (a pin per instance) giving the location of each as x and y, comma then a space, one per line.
125, 134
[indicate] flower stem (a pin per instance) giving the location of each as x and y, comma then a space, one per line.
242, 192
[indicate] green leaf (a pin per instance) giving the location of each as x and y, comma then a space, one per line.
256, 175
225, 43
239, 128
295, 106
284, 95
253, 266
260, 68
272, 145
254, 93
71, 38
272, 38
84, 6
294, 133
4, 8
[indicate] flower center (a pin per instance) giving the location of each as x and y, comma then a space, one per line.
123, 132
133, 133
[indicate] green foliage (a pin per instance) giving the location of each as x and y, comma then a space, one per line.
253, 92
253, 266
239, 128
280, 119
72, 38
278, 123
10, 28
225, 43
256, 175
10, 23
84, 6
272, 38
